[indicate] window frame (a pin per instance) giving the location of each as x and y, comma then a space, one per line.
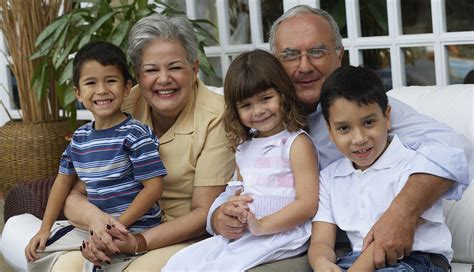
354, 43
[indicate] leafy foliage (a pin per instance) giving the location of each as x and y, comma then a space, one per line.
97, 21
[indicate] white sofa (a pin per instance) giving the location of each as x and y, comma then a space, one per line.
454, 106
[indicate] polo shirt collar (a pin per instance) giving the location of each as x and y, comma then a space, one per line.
394, 153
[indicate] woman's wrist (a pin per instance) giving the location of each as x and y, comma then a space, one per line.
141, 247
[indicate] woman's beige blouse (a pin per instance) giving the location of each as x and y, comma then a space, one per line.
193, 150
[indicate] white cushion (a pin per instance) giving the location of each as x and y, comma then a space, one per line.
452, 105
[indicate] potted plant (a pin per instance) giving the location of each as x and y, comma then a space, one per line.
30, 146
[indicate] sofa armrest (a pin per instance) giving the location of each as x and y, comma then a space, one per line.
452, 105
29, 197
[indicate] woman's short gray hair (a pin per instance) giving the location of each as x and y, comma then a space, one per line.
147, 29
299, 10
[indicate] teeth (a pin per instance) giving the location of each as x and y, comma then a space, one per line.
103, 102
166, 91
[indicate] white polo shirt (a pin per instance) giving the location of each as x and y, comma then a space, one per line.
439, 150
354, 200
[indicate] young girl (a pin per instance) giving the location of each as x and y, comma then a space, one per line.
277, 167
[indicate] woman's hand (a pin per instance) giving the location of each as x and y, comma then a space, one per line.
225, 220
102, 236
37, 243
242, 208
127, 244
97, 251
91, 253
84, 215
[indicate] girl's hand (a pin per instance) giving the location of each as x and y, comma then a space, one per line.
242, 208
254, 224
37, 243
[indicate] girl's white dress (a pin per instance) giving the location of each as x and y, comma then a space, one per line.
264, 165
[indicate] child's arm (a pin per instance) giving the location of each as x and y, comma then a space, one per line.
148, 196
321, 255
240, 202
304, 165
365, 262
61, 187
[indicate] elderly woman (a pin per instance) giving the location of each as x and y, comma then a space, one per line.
187, 119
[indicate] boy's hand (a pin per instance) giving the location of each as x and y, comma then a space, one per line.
327, 266
37, 243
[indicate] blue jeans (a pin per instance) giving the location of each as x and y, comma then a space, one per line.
413, 263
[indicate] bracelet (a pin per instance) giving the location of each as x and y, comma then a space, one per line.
141, 244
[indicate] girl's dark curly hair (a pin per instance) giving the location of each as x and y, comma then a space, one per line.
252, 73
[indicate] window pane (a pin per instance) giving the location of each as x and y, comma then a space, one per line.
416, 16
214, 80
461, 63
206, 9
345, 58
177, 4
459, 15
379, 61
239, 22
14, 88
337, 8
373, 18
271, 10
419, 66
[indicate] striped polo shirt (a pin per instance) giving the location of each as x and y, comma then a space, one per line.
112, 163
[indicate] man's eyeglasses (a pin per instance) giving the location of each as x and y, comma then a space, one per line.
294, 57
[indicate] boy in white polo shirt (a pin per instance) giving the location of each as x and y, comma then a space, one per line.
356, 190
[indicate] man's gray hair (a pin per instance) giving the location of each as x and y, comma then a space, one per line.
304, 9
147, 29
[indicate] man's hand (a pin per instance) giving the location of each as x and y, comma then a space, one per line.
225, 220
392, 236
394, 231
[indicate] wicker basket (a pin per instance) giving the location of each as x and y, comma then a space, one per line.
30, 151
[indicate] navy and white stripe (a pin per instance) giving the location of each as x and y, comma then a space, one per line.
112, 163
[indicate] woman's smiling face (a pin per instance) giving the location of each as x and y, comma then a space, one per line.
166, 77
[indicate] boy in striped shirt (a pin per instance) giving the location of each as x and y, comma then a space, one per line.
114, 159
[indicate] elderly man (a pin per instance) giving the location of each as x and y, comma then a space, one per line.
308, 44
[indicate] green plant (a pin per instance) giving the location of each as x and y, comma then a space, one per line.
100, 20
21, 22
